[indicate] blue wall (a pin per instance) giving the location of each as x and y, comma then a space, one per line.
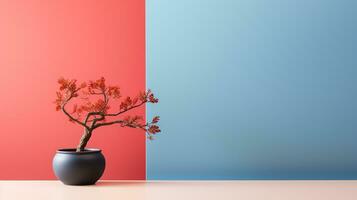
253, 89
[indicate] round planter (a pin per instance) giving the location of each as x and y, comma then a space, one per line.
78, 168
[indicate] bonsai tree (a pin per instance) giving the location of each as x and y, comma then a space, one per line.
91, 107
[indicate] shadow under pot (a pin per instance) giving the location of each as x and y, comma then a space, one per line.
78, 168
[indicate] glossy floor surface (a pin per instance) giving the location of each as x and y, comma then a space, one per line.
155, 190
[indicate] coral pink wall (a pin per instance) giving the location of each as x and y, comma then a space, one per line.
83, 39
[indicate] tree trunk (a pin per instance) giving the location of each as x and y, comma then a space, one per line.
84, 140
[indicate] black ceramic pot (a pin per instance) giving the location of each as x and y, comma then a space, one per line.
78, 168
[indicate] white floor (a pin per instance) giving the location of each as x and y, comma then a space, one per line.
181, 190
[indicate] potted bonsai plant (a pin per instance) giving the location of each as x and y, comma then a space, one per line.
90, 104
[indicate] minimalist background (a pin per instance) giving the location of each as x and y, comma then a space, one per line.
83, 39
253, 89
249, 89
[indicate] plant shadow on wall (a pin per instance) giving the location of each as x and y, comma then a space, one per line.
90, 104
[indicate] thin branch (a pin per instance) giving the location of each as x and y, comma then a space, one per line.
107, 123
71, 117
86, 119
123, 124
106, 100
90, 114
121, 112
105, 97
102, 117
